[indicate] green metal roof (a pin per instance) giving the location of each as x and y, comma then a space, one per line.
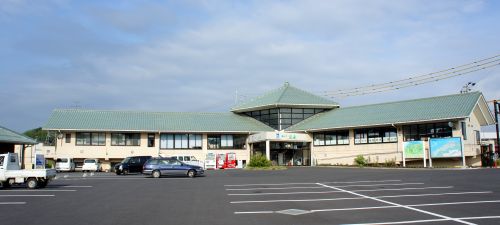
9, 136
425, 109
102, 120
285, 96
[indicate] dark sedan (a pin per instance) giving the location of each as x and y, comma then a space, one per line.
170, 167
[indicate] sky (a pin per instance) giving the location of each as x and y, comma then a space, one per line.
194, 56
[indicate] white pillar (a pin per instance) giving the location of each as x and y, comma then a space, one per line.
268, 150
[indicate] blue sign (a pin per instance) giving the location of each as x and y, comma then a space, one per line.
445, 147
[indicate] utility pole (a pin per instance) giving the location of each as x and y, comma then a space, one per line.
496, 106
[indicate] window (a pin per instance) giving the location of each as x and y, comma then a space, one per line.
332, 138
282, 118
226, 141
68, 138
151, 140
375, 135
319, 139
464, 130
419, 132
360, 136
478, 137
180, 141
125, 139
96, 139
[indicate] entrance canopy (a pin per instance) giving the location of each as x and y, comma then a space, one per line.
279, 137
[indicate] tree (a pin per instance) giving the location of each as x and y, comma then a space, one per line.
38, 134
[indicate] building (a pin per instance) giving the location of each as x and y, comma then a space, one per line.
13, 142
288, 125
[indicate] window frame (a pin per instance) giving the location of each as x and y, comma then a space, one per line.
90, 139
336, 134
128, 139
191, 141
238, 141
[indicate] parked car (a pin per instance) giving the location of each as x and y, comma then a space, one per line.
158, 167
65, 164
91, 165
132, 164
191, 160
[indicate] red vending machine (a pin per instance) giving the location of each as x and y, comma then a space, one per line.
221, 159
230, 161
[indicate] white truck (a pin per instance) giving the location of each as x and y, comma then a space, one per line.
11, 173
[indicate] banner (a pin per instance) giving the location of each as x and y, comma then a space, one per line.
445, 147
413, 149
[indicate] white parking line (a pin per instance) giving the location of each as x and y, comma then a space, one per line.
12, 203
327, 192
357, 198
27, 195
396, 204
377, 207
432, 220
282, 188
37, 190
336, 182
313, 187
69, 186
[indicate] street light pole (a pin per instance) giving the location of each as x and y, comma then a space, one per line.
496, 106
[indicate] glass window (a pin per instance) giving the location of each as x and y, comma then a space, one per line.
151, 140
374, 136
319, 139
214, 141
425, 131
96, 139
227, 141
82, 138
360, 136
180, 141
343, 137
125, 139
330, 139
68, 138
390, 135
285, 110
195, 141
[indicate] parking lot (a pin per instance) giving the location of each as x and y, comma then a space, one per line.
294, 196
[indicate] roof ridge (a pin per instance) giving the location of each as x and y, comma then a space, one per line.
415, 99
138, 111
285, 88
258, 97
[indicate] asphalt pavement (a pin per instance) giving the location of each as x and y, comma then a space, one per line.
307, 195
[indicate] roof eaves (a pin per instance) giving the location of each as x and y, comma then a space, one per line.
374, 125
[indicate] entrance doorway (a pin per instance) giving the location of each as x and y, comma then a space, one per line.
285, 153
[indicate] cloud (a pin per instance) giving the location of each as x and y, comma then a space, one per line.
193, 56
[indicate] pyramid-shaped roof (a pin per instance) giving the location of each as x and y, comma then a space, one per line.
285, 96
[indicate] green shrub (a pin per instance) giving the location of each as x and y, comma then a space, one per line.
390, 163
259, 160
360, 160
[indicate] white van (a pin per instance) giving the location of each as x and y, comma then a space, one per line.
191, 160
65, 164
91, 165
